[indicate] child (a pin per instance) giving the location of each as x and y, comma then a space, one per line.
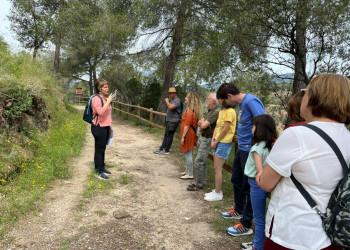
264, 134
221, 144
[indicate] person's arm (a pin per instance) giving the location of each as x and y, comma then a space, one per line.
223, 133
169, 105
212, 139
186, 128
203, 123
268, 178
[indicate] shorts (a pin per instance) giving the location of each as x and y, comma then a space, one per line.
223, 150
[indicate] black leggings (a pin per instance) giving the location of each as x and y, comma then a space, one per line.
101, 135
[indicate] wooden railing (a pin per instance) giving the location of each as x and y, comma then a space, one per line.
118, 107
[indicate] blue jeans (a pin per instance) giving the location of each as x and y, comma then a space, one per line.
189, 162
258, 197
241, 188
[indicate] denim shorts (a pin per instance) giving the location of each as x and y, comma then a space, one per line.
223, 150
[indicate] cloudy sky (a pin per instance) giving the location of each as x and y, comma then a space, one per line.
5, 32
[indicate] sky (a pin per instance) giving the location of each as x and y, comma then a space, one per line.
5, 31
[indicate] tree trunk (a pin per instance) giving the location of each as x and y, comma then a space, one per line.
172, 58
300, 76
35, 52
91, 83
56, 63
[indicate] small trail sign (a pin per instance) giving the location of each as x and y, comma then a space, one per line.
79, 91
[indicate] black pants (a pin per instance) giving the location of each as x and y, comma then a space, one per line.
168, 138
101, 135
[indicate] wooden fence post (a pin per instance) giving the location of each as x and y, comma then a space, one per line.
138, 113
120, 109
127, 111
151, 117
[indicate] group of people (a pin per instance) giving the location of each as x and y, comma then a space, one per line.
262, 164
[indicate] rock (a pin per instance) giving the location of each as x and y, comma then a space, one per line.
121, 214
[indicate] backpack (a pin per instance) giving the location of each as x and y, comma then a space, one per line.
336, 220
88, 110
182, 111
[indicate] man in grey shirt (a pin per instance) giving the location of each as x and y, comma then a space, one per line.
173, 118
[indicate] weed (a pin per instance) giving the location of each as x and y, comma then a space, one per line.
123, 179
101, 213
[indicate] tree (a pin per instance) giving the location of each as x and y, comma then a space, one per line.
174, 28
98, 32
32, 21
303, 36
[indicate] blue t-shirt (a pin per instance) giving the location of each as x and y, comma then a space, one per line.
249, 107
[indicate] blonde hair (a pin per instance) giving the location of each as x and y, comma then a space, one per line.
329, 96
99, 84
194, 103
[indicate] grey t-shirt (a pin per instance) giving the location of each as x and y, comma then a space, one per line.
174, 115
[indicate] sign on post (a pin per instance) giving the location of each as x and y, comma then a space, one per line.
79, 91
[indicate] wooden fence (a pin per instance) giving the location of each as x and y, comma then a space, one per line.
118, 107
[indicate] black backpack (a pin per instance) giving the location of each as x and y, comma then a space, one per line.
88, 110
336, 220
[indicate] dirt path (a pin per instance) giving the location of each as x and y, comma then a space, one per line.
163, 214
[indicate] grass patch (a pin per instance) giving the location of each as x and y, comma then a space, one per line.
97, 186
124, 179
101, 213
22, 192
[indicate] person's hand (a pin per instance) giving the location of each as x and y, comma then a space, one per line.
213, 145
182, 141
111, 97
166, 100
257, 177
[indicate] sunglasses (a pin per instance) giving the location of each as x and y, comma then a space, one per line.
302, 92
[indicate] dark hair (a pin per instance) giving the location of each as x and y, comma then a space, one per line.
226, 88
99, 84
293, 108
265, 130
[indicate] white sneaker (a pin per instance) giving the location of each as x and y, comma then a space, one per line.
247, 245
213, 191
213, 197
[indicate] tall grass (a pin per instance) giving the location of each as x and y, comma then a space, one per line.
21, 193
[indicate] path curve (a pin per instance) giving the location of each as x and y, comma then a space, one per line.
163, 214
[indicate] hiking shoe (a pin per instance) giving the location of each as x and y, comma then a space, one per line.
247, 245
232, 214
106, 172
187, 176
157, 151
213, 197
238, 230
102, 176
193, 188
163, 152
213, 191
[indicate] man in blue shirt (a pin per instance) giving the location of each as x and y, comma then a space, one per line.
248, 107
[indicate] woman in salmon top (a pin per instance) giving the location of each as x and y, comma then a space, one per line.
189, 125
101, 125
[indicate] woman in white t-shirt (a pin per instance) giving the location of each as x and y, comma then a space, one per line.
290, 222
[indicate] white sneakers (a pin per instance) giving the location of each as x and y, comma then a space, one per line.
213, 196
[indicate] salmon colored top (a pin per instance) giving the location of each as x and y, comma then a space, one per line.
104, 116
188, 119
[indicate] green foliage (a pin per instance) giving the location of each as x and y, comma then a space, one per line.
21, 101
124, 179
152, 91
20, 192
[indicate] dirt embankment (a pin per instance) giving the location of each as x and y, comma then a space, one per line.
163, 215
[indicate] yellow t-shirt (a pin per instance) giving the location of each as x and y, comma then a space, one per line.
226, 115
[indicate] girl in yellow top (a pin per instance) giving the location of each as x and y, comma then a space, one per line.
221, 144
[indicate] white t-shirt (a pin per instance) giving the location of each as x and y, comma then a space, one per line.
314, 164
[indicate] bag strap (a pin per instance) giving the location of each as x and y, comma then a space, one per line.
101, 105
340, 156
194, 129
